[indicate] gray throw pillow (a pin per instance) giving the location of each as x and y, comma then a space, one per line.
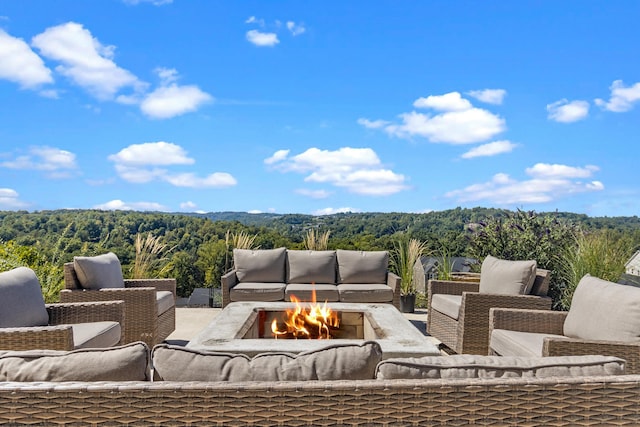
499, 276
335, 362
317, 267
97, 272
364, 267
478, 366
21, 301
603, 311
260, 265
125, 363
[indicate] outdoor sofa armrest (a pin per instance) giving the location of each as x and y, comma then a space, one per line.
449, 287
393, 281
82, 312
538, 321
629, 351
228, 281
168, 284
37, 337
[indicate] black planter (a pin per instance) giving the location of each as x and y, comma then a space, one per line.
408, 303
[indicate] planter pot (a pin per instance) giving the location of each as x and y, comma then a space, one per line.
408, 303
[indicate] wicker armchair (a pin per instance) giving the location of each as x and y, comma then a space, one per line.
141, 306
469, 333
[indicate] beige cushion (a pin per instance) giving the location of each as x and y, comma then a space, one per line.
334, 362
317, 267
499, 276
362, 266
447, 304
516, 343
260, 265
164, 301
97, 272
21, 301
602, 310
304, 292
477, 366
249, 291
96, 334
126, 363
365, 293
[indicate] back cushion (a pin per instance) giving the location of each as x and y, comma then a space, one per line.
477, 366
602, 310
97, 272
317, 267
125, 363
499, 276
362, 266
260, 265
21, 301
335, 362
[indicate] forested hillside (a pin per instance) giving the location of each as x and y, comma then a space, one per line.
197, 251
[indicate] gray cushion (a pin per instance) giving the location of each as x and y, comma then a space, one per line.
164, 301
477, 366
359, 292
334, 362
447, 304
97, 272
602, 310
260, 265
21, 301
517, 343
250, 291
362, 266
96, 334
304, 292
126, 363
499, 276
311, 267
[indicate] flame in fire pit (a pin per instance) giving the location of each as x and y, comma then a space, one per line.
311, 321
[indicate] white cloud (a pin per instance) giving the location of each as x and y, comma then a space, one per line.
261, 39
10, 199
188, 206
565, 111
153, 2
448, 102
254, 20
277, 157
114, 205
152, 153
490, 149
214, 180
314, 194
547, 183
56, 163
622, 98
171, 100
489, 96
331, 211
295, 29
372, 124
85, 60
358, 170
19, 64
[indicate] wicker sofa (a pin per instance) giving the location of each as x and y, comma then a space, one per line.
340, 275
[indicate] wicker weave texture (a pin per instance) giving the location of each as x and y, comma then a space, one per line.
523, 402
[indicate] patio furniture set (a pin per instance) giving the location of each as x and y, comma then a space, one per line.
534, 367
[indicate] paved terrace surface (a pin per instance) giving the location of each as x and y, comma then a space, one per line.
191, 320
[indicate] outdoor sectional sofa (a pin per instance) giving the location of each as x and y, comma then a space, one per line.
113, 387
335, 276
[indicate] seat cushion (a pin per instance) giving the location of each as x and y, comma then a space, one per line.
317, 267
125, 363
516, 343
97, 272
21, 301
250, 291
447, 304
260, 265
362, 266
359, 292
334, 362
602, 310
96, 334
164, 301
499, 276
304, 292
478, 366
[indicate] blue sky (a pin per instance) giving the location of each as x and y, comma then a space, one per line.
320, 107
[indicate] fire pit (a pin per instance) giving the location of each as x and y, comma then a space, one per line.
248, 328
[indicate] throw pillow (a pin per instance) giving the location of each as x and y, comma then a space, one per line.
499, 276
260, 265
365, 267
97, 272
317, 267
21, 301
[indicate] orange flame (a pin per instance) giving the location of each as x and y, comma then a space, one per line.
313, 321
